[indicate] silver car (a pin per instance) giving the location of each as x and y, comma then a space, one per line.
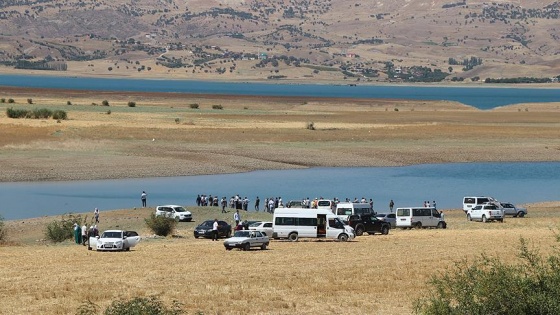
390, 218
246, 239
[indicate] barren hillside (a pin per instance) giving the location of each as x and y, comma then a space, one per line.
411, 41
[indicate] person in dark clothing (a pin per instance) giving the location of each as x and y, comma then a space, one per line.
257, 201
143, 197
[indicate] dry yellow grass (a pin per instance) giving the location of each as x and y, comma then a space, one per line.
373, 274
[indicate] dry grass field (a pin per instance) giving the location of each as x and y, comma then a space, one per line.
370, 275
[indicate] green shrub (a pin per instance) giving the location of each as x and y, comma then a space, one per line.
16, 113
41, 113
217, 107
193, 106
11, 101
161, 225
2, 100
177, 120
109, 112
59, 114
68, 103
105, 103
29, 101
60, 230
131, 104
3, 233
143, 306
489, 286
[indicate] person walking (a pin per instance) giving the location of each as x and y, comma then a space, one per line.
236, 218
215, 230
391, 205
257, 201
143, 197
96, 215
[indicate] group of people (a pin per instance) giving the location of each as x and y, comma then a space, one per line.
82, 233
428, 205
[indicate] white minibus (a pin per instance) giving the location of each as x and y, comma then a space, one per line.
419, 217
470, 202
345, 209
293, 223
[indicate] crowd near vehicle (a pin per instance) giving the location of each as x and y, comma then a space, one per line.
390, 218
295, 223
246, 239
205, 229
489, 211
419, 217
368, 223
511, 209
345, 209
470, 202
263, 227
114, 240
173, 211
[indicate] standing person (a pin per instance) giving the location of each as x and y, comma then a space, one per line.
198, 200
224, 204
143, 197
271, 205
391, 205
434, 204
215, 230
96, 215
77, 233
236, 217
257, 201
84, 234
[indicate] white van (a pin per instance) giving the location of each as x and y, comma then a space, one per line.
345, 209
470, 202
419, 217
293, 223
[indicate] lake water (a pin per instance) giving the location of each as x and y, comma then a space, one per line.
480, 97
407, 186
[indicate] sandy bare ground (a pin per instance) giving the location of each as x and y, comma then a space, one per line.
164, 136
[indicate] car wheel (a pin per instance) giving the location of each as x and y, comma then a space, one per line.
293, 237
359, 230
343, 237
521, 214
439, 225
501, 220
484, 218
469, 217
384, 230
228, 248
418, 225
263, 246
196, 236
246, 246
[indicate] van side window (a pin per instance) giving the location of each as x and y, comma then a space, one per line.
285, 221
307, 221
469, 200
403, 212
435, 213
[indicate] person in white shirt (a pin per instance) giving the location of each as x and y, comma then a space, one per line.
215, 230
236, 217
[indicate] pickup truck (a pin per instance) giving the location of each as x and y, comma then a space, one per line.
489, 211
511, 209
369, 223
245, 239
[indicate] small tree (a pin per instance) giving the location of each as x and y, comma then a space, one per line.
68, 103
11, 101
60, 230
131, 104
161, 225
193, 105
29, 101
2, 100
105, 103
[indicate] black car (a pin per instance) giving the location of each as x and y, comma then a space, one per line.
368, 223
205, 229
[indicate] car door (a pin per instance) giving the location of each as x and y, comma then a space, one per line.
131, 238
258, 239
392, 219
267, 229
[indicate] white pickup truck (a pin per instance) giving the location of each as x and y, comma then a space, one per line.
486, 212
511, 209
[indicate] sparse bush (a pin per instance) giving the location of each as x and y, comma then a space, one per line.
41, 113
59, 115
177, 120
143, 306
88, 308
217, 107
59, 231
2, 100
29, 101
11, 101
3, 232
396, 109
131, 104
105, 103
109, 112
161, 225
193, 106
16, 113
489, 286
310, 126
68, 103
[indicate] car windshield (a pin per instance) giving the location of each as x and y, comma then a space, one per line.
241, 234
111, 235
207, 224
180, 209
380, 215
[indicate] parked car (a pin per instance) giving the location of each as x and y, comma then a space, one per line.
173, 211
246, 239
205, 229
489, 211
369, 223
114, 240
294, 204
511, 209
390, 218
264, 227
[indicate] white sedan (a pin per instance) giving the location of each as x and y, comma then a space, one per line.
114, 240
263, 227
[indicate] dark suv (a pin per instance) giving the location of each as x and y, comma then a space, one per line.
368, 223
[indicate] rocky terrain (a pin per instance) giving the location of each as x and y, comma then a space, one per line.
311, 40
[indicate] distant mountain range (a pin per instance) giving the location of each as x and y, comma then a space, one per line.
322, 40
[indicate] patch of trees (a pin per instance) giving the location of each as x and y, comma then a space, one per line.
41, 65
452, 5
467, 63
518, 80
368, 41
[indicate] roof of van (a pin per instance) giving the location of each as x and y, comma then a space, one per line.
283, 211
